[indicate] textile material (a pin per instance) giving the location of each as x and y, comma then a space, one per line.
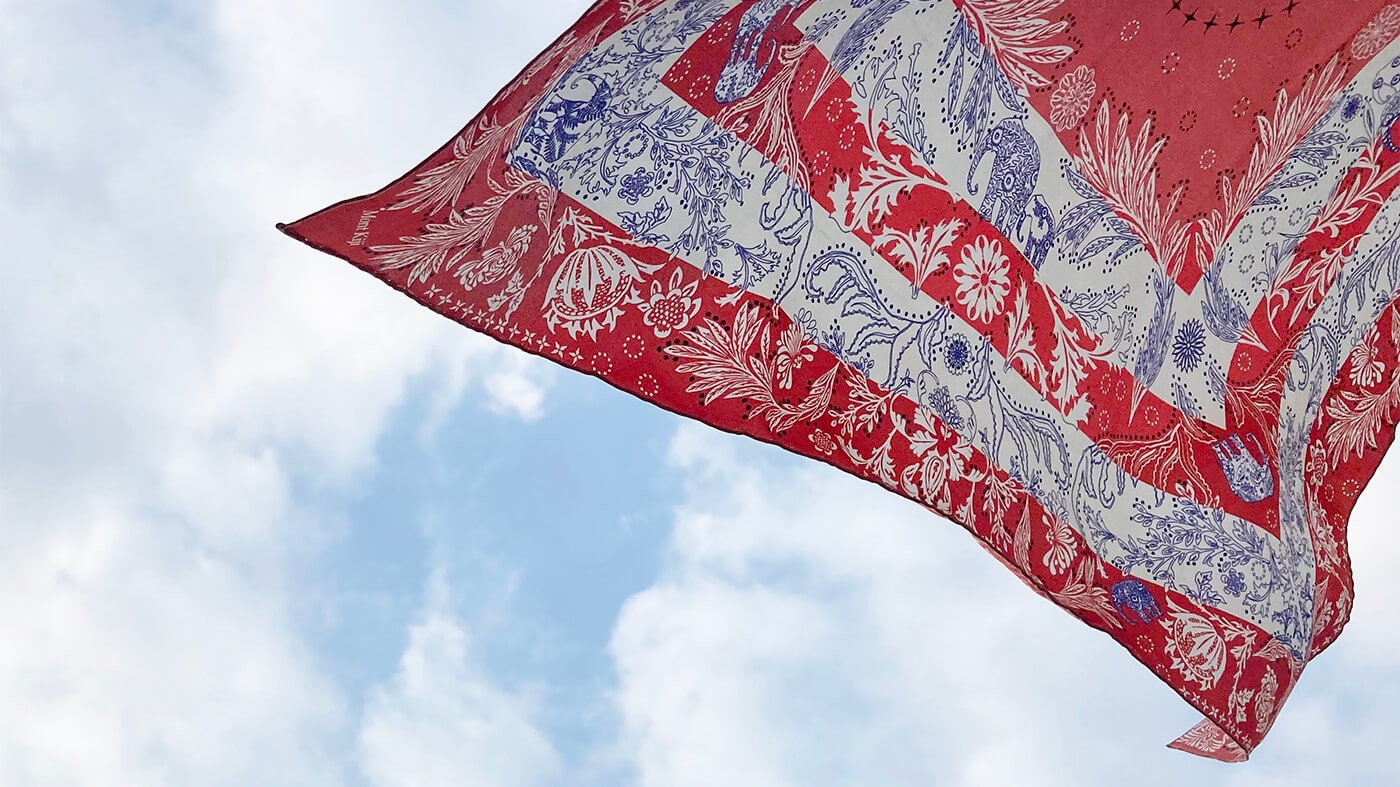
1112, 285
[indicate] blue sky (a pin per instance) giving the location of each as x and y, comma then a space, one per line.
265, 522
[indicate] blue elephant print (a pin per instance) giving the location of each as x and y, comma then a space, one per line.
1131, 595
1037, 231
1246, 468
742, 71
1010, 202
1015, 171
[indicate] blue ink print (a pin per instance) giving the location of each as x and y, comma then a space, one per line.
1190, 345
1246, 468
958, 355
742, 71
1130, 595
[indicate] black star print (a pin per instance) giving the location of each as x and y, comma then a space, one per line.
1263, 16
1288, 9
1176, 5
1191, 17
1211, 22
1234, 24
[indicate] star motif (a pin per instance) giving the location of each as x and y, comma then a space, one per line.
1263, 17
1191, 17
1234, 24
1211, 22
1176, 6
529, 337
514, 331
1288, 9
576, 355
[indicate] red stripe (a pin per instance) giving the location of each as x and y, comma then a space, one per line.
1156, 442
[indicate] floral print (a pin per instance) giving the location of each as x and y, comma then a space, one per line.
637, 186
983, 278
1042, 337
793, 350
823, 442
1377, 33
1062, 547
672, 308
1190, 345
1070, 101
957, 354
1366, 365
1196, 648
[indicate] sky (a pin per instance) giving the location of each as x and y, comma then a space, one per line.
265, 522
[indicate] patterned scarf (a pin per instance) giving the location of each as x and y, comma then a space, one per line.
1110, 284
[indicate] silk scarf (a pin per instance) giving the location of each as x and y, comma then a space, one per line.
1111, 285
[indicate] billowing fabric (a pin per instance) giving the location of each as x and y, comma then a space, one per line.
1110, 284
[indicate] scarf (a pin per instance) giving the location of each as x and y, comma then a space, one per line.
1110, 286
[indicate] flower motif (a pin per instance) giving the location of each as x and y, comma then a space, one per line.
958, 354
1366, 366
673, 309
823, 442
1351, 107
1190, 345
1061, 552
1070, 101
1196, 648
1316, 467
1377, 33
637, 186
943, 454
1234, 582
793, 350
983, 277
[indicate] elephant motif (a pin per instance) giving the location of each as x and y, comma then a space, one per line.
1246, 470
1132, 595
742, 71
1015, 171
1386, 93
1037, 231
567, 115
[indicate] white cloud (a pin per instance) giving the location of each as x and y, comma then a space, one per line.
173, 371
442, 720
130, 659
810, 628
